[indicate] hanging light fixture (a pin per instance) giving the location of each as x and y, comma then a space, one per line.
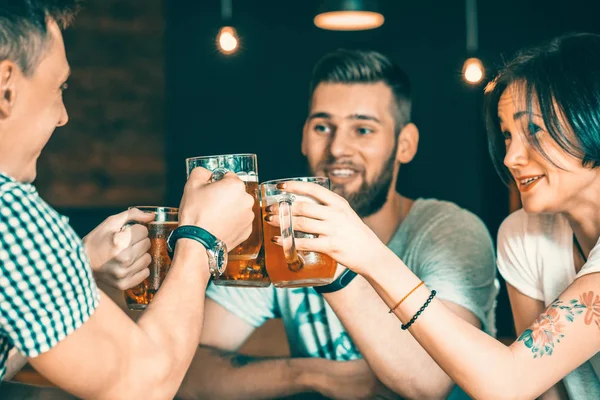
349, 15
227, 38
473, 71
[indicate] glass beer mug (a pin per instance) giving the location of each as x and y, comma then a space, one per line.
286, 266
245, 266
165, 222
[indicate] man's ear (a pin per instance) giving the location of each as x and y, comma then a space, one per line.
408, 142
8, 78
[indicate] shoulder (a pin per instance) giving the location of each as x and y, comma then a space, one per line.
31, 223
521, 226
443, 217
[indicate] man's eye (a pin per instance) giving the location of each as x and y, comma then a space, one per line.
321, 128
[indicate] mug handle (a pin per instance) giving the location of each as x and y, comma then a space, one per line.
293, 259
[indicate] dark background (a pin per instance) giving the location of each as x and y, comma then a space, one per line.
149, 89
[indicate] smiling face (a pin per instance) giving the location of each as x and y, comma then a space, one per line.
552, 184
31, 107
349, 136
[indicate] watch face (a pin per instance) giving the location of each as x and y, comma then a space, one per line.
222, 257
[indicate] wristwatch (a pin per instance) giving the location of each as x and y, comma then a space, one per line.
341, 282
215, 249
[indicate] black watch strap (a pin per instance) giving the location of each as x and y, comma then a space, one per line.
341, 282
191, 232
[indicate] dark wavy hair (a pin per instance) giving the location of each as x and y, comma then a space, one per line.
563, 77
23, 28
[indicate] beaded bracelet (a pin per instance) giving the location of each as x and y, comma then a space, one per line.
414, 318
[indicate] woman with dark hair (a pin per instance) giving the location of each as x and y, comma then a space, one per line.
543, 122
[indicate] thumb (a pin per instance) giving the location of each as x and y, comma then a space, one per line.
120, 221
137, 215
121, 239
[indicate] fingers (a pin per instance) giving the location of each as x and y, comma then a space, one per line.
137, 215
302, 224
138, 233
319, 245
304, 209
318, 192
204, 176
125, 278
132, 253
133, 280
200, 175
129, 236
117, 221
138, 277
230, 175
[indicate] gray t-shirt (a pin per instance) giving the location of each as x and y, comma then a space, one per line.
447, 247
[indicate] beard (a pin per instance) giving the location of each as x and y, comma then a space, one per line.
370, 196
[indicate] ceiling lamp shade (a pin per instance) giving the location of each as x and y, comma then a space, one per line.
349, 15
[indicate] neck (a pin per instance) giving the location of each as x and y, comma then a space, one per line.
585, 220
385, 222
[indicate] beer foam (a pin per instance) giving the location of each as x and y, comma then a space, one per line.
164, 223
247, 176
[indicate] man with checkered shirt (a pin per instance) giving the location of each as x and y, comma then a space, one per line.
51, 311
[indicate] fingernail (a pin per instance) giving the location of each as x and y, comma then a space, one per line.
274, 239
281, 185
268, 218
269, 209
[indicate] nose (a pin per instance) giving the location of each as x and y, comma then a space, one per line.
516, 153
341, 145
64, 116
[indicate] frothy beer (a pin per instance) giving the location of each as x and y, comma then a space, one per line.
317, 269
246, 266
140, 296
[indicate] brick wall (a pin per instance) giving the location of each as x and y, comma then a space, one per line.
111, 153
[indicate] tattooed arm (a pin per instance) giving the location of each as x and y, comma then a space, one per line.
525, 311
563, 337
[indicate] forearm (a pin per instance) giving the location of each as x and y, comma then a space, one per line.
219, 374
118, 297
486, 369
394, 355
179, 303
162, 346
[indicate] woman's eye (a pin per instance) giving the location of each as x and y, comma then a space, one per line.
533, 128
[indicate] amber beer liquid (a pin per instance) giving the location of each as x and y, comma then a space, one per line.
246, 265
138, 297
318, 269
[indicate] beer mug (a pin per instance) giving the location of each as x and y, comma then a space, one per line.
165, 222
244, 266
286, 266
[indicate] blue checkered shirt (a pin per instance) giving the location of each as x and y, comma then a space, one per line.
46, 286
